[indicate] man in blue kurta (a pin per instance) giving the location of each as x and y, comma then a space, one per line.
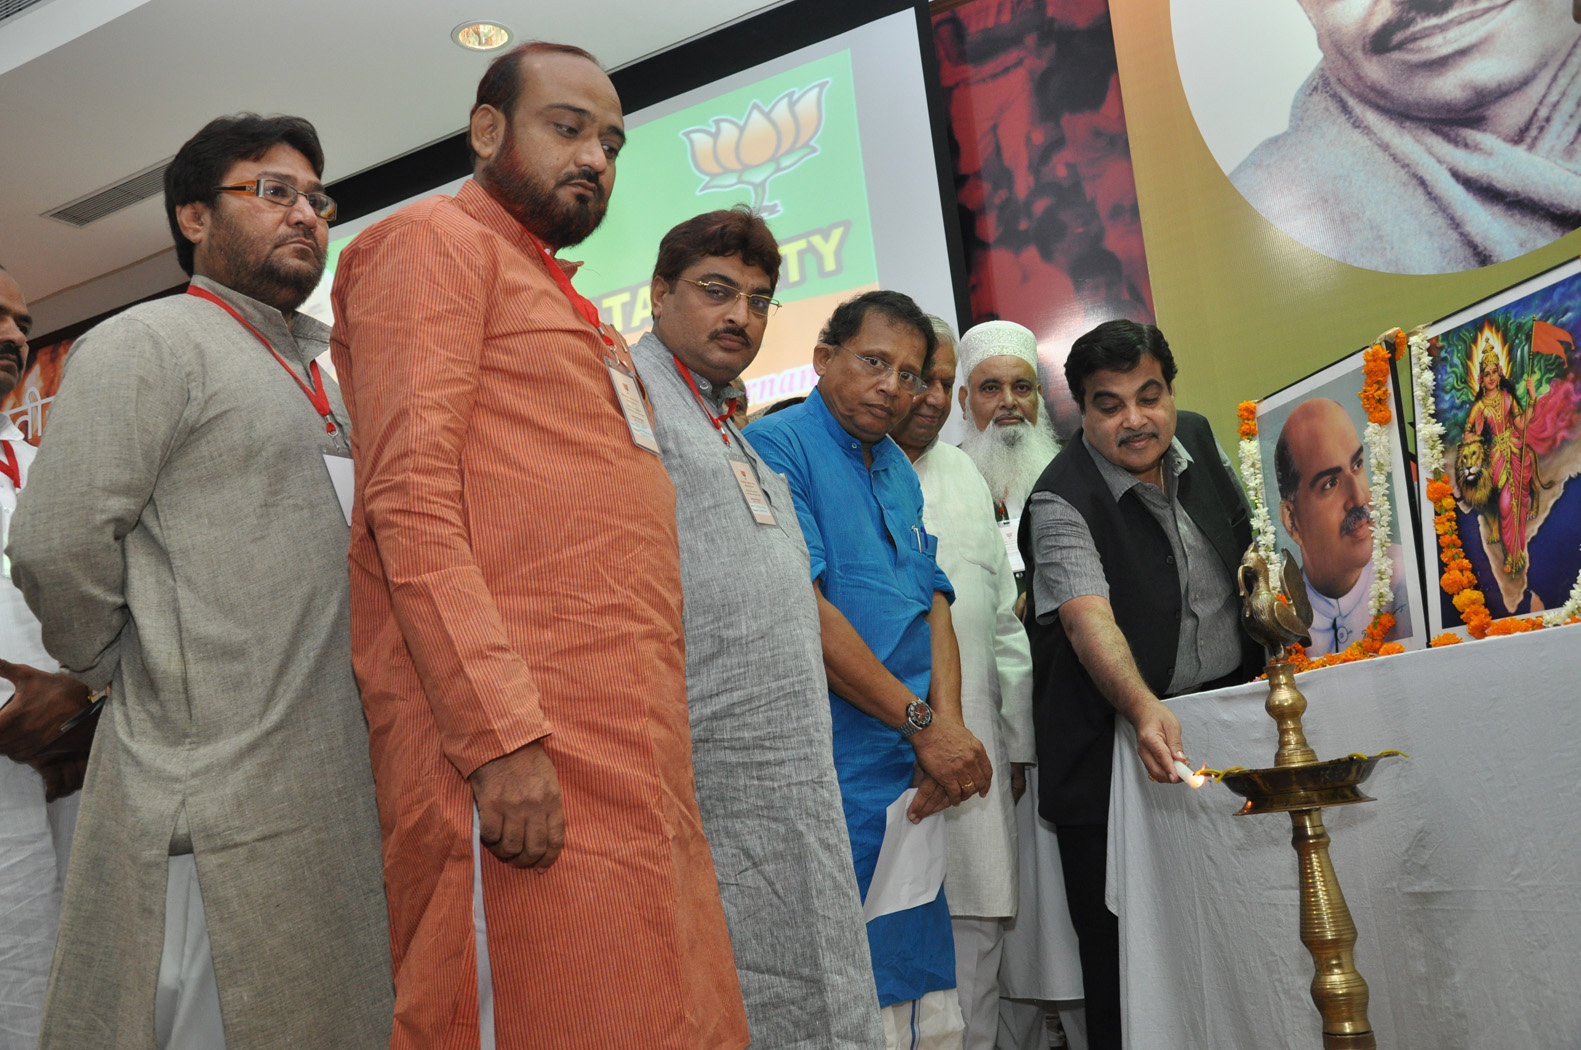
888, 645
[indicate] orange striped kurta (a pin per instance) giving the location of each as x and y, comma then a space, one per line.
515, 573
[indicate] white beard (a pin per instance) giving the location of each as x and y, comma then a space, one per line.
1011, 459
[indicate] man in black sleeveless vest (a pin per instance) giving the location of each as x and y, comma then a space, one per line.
1133, 535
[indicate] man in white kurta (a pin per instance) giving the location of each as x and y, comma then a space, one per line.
1009, 439
996, 694
35, 834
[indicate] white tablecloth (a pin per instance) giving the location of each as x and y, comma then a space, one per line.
1464, 877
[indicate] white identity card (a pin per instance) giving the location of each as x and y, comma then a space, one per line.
910, 866
343, 476
1007, 532
752, 492
636, 411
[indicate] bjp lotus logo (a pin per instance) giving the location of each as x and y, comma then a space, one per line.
763, 144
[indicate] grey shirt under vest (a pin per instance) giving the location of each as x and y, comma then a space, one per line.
1209, 645
180, 538
762, 749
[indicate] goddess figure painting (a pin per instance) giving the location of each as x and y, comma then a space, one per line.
1508, 395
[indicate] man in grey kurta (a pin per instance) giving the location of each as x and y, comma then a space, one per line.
181, 541
762, 750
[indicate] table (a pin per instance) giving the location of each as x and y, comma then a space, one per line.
1464, 877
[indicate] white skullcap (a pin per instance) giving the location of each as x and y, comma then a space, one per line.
995, 339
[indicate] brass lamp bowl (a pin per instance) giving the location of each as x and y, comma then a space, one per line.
1280, 789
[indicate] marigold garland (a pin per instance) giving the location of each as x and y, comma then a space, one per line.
1377, 365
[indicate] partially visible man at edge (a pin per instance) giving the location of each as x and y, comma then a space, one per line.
181, 538
885, 623
996, 692
39, 771
762, 752
516, 596
1142, 495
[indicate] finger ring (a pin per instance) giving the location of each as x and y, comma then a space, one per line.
968, 787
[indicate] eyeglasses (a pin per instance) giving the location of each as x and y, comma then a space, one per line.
285, 195
719, 294
912, 384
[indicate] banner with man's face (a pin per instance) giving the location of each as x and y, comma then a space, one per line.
1313, 172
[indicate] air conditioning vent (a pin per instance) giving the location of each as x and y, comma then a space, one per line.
15, 7
123, 194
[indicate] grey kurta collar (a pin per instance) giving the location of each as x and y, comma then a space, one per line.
715, 400
1121, 481
282, 335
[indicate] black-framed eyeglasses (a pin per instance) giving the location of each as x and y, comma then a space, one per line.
912, 383
720, 294
284, 194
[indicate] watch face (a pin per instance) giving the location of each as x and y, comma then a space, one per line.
919, 713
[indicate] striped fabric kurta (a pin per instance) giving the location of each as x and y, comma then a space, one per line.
515, 573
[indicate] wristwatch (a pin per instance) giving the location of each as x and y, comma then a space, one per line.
919, 716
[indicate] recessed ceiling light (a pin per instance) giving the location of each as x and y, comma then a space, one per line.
481, 36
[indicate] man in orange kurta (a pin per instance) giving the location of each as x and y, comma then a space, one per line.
516, 609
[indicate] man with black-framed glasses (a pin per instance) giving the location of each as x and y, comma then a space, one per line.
182, 538
888, 645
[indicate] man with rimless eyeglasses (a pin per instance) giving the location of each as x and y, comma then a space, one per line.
888, 645
762, 754
182, 539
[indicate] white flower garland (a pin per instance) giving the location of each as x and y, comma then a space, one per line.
1429, 432
1262, 521
1555, 617
1379, 440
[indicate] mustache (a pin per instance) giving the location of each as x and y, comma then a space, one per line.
731, 330
587, 175
320, 252
16, 350
1412, 13
1355, 518
1127, 435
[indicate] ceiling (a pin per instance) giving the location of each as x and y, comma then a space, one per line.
100, 102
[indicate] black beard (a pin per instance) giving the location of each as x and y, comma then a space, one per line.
535, 206
267, 281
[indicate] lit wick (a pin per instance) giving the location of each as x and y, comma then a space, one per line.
1196, 779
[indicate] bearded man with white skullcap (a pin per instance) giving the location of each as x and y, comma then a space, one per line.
1008, 432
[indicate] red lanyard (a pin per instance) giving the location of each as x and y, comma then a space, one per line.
315, 393
717, 421
583, 305
11, 468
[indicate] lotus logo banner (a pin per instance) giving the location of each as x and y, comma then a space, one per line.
761, 145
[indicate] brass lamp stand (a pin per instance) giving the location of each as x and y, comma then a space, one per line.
1300, 785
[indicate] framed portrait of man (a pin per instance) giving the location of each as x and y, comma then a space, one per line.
1318, 487
1507, 391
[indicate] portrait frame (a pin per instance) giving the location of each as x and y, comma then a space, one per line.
1338, 620
1549, 527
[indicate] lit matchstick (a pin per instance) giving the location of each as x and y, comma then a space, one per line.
1196, 779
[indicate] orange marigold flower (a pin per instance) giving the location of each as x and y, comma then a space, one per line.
1468, 598
1391, 649
1247, 410
1399, 344
1446, 638
1438, 490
